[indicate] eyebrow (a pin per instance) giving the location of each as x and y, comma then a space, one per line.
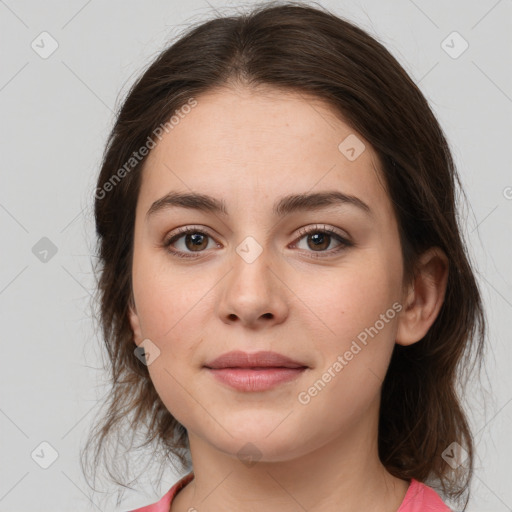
284, 206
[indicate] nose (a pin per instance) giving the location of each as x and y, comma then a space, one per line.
253, 293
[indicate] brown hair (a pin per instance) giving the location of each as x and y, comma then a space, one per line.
311, 51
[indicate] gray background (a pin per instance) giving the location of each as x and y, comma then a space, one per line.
56, 113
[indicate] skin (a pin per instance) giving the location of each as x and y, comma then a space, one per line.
250, 147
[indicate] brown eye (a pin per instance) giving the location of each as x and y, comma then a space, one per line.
196, 241
191, 240
319, 239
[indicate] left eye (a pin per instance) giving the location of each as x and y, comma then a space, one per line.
318, 240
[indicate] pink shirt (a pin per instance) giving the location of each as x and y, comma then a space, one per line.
418, 498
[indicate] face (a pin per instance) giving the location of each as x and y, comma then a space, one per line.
320, 284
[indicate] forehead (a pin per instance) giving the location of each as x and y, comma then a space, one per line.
250, 145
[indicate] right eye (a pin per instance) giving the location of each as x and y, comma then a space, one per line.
194, 240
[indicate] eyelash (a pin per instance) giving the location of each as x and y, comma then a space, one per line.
302, 233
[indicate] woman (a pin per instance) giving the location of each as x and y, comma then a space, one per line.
285, 295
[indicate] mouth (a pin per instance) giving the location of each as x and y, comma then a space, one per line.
256, 361
256, 379
252, 372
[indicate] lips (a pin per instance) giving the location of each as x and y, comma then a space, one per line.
256, 360
259, 371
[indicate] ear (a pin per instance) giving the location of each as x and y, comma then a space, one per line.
425, 297
134, 322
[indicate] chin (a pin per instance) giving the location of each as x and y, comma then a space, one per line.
262, 444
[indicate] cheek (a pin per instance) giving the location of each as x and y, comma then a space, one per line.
172, 310
358, 309
352, 298
167, 297
169, 309
353, 362
173, 387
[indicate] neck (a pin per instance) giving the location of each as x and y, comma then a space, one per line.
342, 474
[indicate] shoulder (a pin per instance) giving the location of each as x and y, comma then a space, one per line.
164, 504
422, 498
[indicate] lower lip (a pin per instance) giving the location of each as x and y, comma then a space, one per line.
245, 379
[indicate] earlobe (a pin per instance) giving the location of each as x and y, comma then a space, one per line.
424, 298
134, 323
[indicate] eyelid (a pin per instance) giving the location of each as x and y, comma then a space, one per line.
300, 233
313, 228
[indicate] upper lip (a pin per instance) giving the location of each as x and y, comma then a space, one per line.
240, 359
